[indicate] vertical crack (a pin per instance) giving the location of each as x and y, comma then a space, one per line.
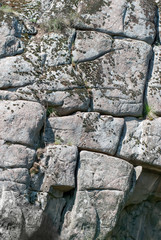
149, 75
97, 232
123, 17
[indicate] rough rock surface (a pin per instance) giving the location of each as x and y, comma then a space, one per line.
86, 130
154, 85
80, 119
103, 184
21, 122
60, 171
137, 135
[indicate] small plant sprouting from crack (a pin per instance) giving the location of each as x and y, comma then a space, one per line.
51, 111
147, 112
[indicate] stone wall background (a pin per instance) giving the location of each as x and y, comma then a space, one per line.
80, 123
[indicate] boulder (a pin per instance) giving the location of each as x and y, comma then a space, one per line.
147, 186
19, 175
128, 18
11, 217
90, 131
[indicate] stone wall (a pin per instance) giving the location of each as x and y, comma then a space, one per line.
80, 119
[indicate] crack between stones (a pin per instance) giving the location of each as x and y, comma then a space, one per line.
97, 56
101, 190
97, 226
113, 34
17, 143
123, 17
15, 87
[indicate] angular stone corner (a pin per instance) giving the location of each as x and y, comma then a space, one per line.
103, 185
89, 131
141, 142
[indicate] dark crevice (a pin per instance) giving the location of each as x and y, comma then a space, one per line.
97, 231
18, 143
112, 34
70, 200
149, 75
70, 197
100, 189
121, 137
14, 88
98, 55
157, 38
123, 17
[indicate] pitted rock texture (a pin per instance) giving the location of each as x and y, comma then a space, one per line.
80, 119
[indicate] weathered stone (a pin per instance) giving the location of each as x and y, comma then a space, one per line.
10, 216
141, 142
19, 175
21, 122
89, 131
90, 45
10, 45
49, 49
154, 84
117, 80
101, 172
13, 186
16, 72
60, 169
103, 185
141, 221
14, 155
128, 18
147, 185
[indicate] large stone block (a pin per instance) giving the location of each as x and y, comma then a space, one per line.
103, 185
60, 166
86, 130
21, 122
117, 80
141, 142
14, 156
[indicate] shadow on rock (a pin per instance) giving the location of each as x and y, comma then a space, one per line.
46, 231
